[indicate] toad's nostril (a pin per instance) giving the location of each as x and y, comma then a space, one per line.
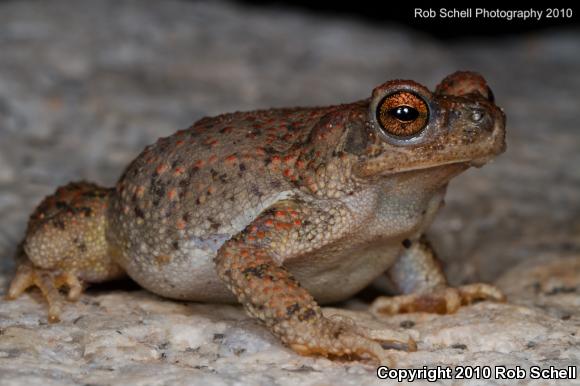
476, 116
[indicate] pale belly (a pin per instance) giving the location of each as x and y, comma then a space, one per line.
337, 275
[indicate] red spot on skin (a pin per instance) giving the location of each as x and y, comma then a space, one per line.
280, 214
261, 234
211, 190
172, 194
293, 214
140, 191
232, 158
300, 164
244, 253
288, 172
297, 222
211, 142
199, 163
179, 142
269, 223
160, 169
282, 225
289, 159
179, 170
212, 159
275, 159
254, 228
180, 224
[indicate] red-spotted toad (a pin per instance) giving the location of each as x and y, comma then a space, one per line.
281, 210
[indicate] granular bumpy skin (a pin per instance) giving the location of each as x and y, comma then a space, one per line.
65, 244
281, 210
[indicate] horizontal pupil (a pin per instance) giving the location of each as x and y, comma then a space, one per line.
404, 113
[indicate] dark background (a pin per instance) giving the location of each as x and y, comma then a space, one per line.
402, 13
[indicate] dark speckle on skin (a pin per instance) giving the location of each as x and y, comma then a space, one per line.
214, 225
139, 212
290, 310
257, 271
255, 191
61, 205
307, 315
82, 247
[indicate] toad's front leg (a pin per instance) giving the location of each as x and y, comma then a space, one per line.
417, 274
271, 294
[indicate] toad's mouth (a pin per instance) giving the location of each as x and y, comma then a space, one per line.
479, 162
458, 164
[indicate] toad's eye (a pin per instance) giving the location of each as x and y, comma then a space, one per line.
403, 114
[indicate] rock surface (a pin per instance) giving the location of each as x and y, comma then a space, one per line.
85, 85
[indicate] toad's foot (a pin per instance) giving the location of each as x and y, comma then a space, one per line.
335, 339
387, 338
48, 282
441, 301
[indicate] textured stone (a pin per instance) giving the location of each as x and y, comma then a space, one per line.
85, 85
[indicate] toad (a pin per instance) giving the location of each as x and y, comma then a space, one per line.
281, 210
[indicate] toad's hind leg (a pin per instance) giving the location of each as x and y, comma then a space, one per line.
65, 245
